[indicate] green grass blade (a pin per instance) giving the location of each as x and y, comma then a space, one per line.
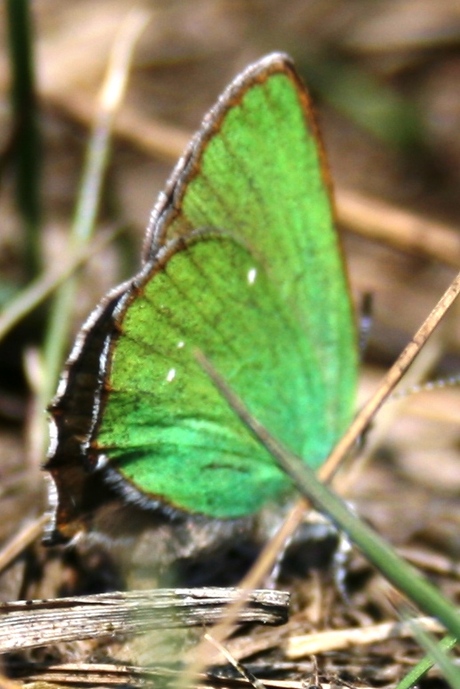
26, 136
426, 663
402, 575
92, 179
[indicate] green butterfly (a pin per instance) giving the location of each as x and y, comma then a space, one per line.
241, 260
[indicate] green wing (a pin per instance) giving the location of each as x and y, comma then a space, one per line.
243, 262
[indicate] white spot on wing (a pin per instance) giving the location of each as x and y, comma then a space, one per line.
101, 463
252, 274
171, 375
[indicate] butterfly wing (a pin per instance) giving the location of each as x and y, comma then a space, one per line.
243, 262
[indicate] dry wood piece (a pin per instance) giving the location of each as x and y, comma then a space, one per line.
29, 624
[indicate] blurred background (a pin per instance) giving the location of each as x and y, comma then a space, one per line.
385, 80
